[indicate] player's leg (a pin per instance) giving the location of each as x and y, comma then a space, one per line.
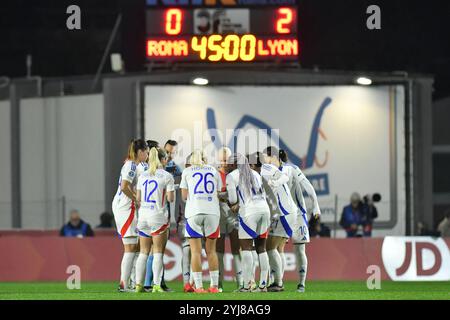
159, 245
235, 251
260, 244
300, 238
255, 262
247, 233
282, 256
145, 246
132, 284
163, 281
302, 264
130, 247
126, 223
212, 232
220, 249
149, 272
194, 234
263, 264
247, 263
275, 261
185, 258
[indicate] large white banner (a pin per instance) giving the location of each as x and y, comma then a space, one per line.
345, 138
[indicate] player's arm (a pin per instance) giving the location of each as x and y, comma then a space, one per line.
170, 188
274, 177
220, 195
307, 186
184, 186
138, 193
126, 187
231, 190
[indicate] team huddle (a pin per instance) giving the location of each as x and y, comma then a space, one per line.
256, 199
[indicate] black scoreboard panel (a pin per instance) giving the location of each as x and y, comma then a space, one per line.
220, 33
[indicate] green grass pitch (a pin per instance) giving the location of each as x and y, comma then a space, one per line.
316, 290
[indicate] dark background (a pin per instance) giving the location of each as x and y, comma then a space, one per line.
333, 35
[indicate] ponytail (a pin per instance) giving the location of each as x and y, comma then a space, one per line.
153, 161
131, 155
197, 158
247, 182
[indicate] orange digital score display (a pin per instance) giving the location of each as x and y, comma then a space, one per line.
270, 34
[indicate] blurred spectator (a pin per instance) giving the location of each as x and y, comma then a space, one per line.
171, 166
317, 228
422, 230
369, 213
106, 221
444, 226
76, 227
351, 216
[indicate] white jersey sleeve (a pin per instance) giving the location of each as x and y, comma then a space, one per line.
231, 189
307, 186
274, 176
170, 182
128, 172
183, 183
141, 168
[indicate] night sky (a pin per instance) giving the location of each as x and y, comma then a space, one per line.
415, 37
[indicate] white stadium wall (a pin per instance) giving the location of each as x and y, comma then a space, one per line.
5, 167
350, 138
62, 151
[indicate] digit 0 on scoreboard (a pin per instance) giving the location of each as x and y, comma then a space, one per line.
221, 33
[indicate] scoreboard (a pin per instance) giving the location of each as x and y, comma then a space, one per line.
225, 31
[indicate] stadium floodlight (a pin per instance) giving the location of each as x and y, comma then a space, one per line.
200, 81
364, 81
116, 62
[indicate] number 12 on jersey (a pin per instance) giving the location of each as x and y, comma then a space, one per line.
148, 195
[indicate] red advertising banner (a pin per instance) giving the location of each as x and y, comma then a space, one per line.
41, 257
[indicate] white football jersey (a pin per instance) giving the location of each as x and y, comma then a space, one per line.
141, 168
295, 175
153, 189
247, 205
202, 184
285, 202
127, 173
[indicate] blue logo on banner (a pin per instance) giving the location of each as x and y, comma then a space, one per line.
319, 181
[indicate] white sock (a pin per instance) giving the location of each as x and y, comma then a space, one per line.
141, 264
191, 277
133, 269
186, 264
264, 266
198, 280
283, 263
247, 267
302, 262
214, 278
238, 269
157, 268
255, 263
125, 267
275, 265
221, 266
